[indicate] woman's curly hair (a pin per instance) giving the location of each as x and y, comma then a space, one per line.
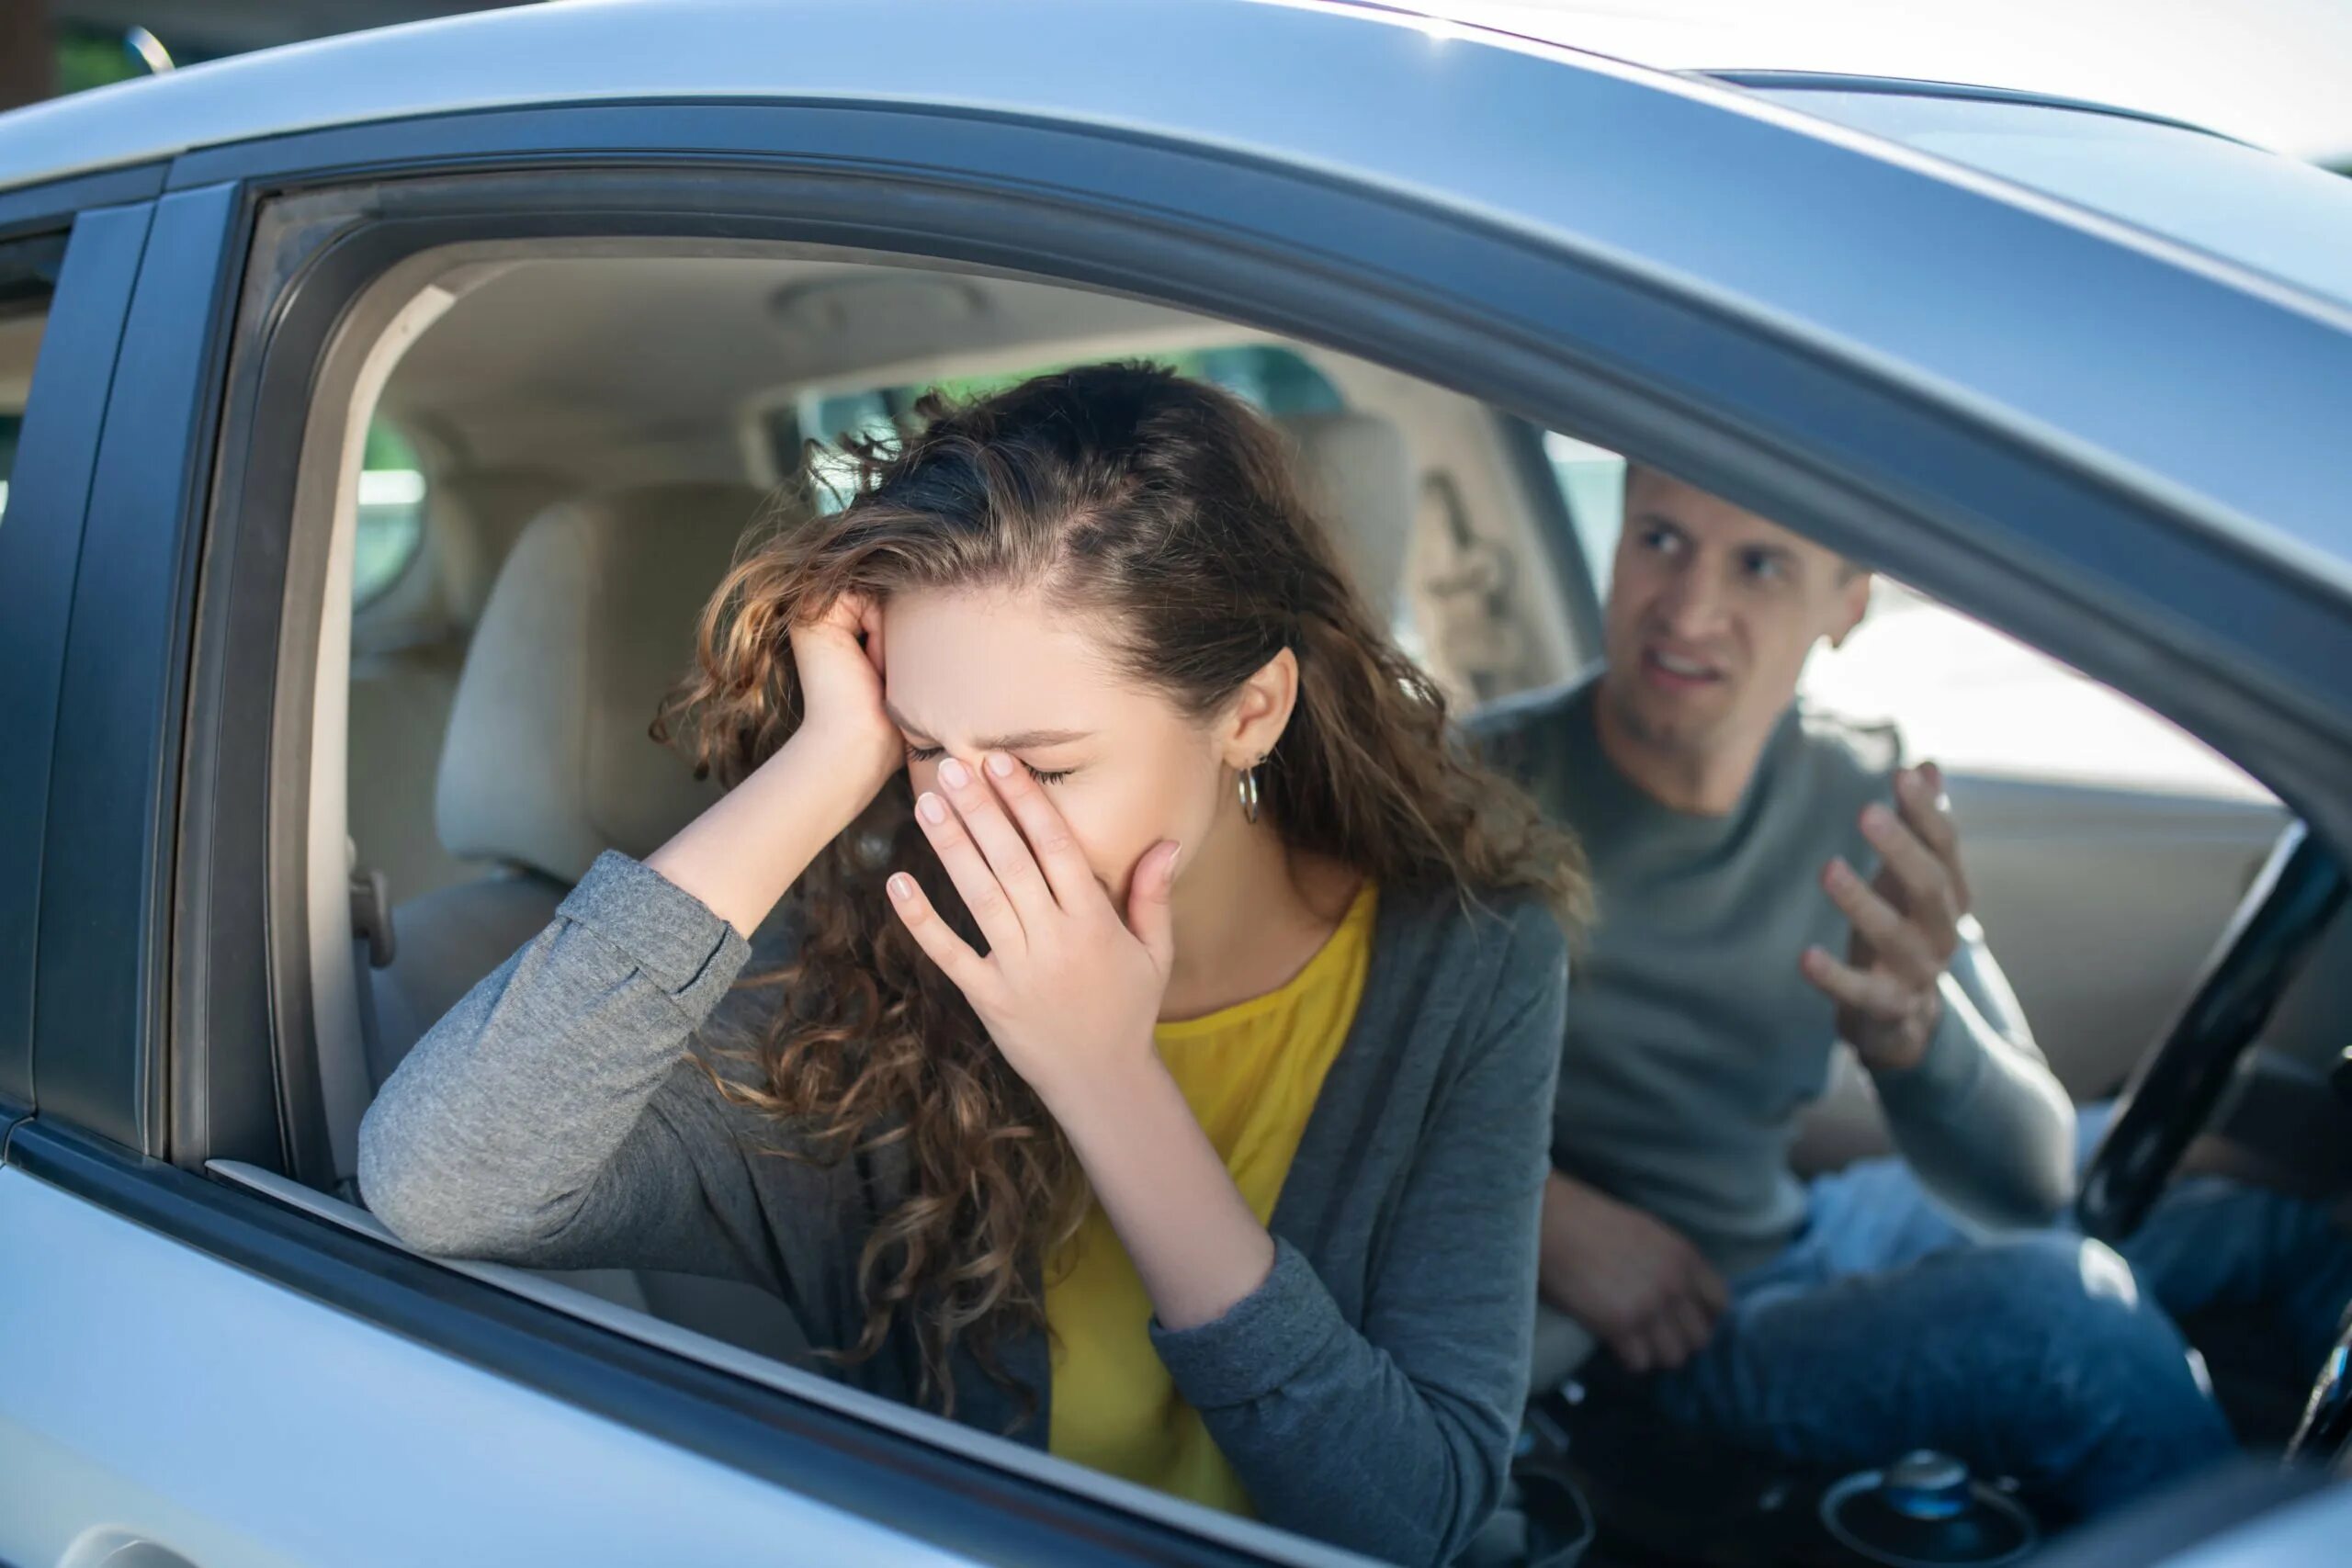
1166, 509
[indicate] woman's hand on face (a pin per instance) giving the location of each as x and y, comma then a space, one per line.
1068, 991
839, 658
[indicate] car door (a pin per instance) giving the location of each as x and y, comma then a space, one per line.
224, 1358
92, 1309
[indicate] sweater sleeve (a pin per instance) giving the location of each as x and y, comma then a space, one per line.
1981, 1117
554, 1118
1395, 1440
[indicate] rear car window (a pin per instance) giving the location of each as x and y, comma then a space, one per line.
24, 314
10, 423
391, 514
1275, 379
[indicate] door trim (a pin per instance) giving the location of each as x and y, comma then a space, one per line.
987, 1512
41, 552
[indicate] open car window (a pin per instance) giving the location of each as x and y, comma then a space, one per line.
21, 321
474, 790
1976, 700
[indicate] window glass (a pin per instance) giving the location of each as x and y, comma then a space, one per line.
391, 513
1275, 379
21, 322
10, 423
1976, 700
1984, 702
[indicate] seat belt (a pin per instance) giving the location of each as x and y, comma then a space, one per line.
1477, 638
372, 948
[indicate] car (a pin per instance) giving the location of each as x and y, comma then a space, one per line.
388, 393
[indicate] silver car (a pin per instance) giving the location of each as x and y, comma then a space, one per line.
294, 349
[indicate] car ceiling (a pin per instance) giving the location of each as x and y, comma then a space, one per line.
539, 357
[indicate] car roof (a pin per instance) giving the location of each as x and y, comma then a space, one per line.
2268, 71
2228, 416
574, 50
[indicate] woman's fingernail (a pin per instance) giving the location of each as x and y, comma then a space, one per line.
1876, 817
954, 775
1000, 764
902, 887
931, 808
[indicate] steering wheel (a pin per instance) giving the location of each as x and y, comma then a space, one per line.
2174, 1089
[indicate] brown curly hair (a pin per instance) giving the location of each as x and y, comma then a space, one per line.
1167, 509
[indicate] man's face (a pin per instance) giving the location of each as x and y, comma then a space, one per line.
1711, 615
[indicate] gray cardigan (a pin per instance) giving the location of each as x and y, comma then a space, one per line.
1367, 1393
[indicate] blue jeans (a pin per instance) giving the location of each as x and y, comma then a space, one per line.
1886, 1327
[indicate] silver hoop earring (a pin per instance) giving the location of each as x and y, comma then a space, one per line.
1246, 782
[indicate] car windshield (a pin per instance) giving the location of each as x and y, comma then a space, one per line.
2288, 219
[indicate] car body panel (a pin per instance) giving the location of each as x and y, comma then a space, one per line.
2038, 318
282, 1432
2039, 306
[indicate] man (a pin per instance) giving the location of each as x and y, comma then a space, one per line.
1771, 883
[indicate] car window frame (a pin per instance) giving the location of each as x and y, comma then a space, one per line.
108, 890
86, 243
1563, 340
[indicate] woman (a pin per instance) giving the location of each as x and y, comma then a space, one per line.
1161, 1071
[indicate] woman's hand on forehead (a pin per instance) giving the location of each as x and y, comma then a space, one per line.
1069, 990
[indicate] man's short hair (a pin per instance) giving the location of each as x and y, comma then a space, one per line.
1848, 568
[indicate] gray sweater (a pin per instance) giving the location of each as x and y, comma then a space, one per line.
1367, 1393
1693, 1041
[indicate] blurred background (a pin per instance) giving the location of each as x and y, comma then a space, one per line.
66, 45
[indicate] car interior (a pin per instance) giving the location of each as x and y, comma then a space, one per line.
561, 461
21, 321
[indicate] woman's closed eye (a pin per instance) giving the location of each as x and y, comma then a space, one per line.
932, 753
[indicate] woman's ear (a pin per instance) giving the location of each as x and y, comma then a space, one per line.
1261, 711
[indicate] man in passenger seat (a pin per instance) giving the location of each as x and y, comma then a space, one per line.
1771, 880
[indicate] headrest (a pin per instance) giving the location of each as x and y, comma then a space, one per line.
547, 762
1359, 477
471, 520
476, 517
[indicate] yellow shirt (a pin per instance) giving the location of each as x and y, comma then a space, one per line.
1250, 1072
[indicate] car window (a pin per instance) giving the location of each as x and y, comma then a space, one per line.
2253, 208
391, 513
1966, 694
1275, 379
21, 322
10, 423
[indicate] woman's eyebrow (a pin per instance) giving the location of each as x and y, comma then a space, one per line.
1020, 740
1023, 740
